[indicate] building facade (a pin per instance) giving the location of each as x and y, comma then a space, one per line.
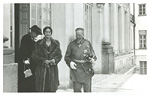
108, 27
142, 17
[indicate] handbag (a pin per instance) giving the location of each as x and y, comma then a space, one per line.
27, 71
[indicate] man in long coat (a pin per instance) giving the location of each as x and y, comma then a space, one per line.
80, 65
25, 51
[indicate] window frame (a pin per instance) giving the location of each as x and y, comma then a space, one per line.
143, 67
142, 13
41, 19
142, 35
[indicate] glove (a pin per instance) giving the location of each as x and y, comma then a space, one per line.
26, 62
73, 65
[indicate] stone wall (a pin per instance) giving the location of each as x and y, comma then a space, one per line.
10, 71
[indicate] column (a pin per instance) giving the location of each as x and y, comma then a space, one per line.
116, 45
119, 29
128, 29
106, 23
111, 23
107, 49
78, 15
123, 30
97, 15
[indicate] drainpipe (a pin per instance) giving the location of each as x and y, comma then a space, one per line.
134, 25
134, 29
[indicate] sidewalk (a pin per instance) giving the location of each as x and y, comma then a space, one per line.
96, 79
106, 82
137, 84
111, 83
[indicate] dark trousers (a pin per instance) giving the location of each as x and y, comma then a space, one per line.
86, 86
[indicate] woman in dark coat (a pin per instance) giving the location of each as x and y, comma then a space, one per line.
24, 59
47, 55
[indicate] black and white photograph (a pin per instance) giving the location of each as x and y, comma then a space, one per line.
84, 47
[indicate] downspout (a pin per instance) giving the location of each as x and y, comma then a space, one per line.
134, 29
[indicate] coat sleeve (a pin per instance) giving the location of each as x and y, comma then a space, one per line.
92, 51
67, 55
23, 48
58, 54
36, 55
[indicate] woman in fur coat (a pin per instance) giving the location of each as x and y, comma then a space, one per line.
47, 55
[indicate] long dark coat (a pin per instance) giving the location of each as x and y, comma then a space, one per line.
43, 72
25, 51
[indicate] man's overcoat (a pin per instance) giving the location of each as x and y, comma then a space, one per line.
74, 51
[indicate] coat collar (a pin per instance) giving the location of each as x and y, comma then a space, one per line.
54, 45
53, 42
80, 43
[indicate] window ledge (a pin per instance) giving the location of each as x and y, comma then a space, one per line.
122, 54
143, 15
143, 48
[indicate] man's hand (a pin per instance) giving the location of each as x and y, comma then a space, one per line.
73, 65
26, 62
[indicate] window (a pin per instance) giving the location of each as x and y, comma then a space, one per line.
40, 14
9, 25
143, 67
142, 39
88, 20
142, 9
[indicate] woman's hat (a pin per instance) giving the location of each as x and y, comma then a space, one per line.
36, 29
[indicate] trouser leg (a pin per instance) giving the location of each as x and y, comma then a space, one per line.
77, 86
87, 86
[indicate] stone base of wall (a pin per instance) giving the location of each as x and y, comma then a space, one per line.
10, 77
124, 63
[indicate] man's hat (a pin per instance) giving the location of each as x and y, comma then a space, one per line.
36, 29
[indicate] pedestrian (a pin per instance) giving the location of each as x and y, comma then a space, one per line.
25, 51
47, 55
80, 58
